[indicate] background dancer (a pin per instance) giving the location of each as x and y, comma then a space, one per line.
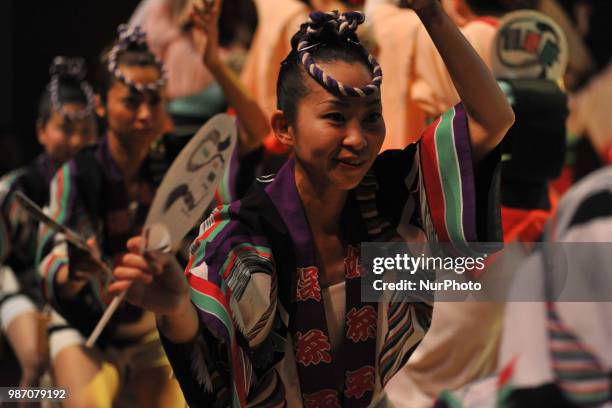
66, 124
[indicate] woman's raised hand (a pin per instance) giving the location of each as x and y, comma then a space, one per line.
154, 280
205, 21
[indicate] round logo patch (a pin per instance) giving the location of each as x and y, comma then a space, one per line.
529, 45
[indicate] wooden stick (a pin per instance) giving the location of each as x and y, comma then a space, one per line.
108, 313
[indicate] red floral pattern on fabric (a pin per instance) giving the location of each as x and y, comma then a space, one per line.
352, 263
308, 284
361, 324
322, 399
359, 382
312, 348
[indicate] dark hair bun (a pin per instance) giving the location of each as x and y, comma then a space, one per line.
327, 28
68, 68
132, 38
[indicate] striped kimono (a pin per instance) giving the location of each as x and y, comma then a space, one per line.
263, 338
18, 230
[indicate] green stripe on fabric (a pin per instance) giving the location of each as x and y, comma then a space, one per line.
201, 251
449, 399
573, 355
590, 374
503, 395
199, 255
62, 205
450, 176
224, 187
589, 398
235, 397
211, 305
65, 193
561, 336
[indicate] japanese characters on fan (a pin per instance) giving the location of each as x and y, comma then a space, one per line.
273, 277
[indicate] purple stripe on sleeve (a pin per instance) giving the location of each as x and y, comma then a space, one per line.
213, 324
464, 156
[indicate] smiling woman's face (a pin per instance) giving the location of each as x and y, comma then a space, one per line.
337, 139
62, 137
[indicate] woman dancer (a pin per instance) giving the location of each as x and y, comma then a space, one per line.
271, 309
66, 123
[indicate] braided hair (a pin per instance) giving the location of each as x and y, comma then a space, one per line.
326, 37
130, 49
66, 86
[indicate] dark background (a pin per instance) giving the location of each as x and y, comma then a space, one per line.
31, 34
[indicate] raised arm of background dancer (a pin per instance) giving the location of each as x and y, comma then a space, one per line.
254, 122
489, 114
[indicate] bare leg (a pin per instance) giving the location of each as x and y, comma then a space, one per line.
24, 336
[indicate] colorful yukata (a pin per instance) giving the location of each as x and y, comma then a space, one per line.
19, 288
264, 331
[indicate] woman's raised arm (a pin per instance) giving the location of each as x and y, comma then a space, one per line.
489, 114
254, 122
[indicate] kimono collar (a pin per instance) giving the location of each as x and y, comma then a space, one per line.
362, 199
317, 371
110, 166
283, 193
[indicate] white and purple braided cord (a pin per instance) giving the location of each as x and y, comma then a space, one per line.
128, 37
345, 25
74, 68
